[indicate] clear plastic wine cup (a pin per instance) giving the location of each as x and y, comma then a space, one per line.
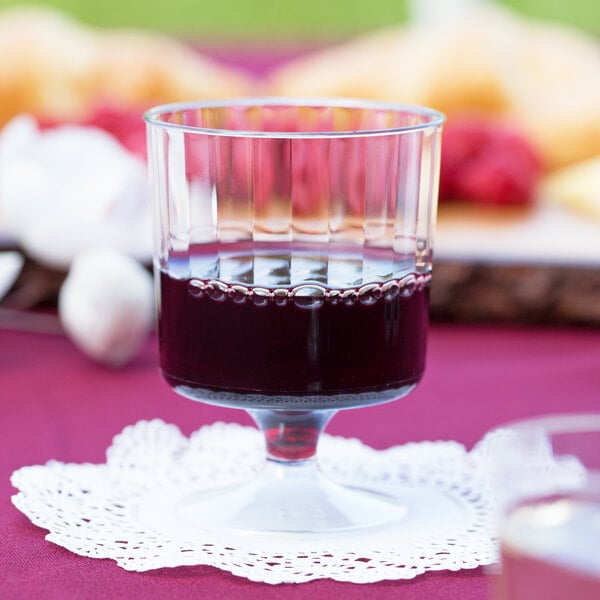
293, 248
547, 476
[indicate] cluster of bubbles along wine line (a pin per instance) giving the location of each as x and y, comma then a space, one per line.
308, 295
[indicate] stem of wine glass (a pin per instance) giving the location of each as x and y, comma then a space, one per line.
291, 436
291, 494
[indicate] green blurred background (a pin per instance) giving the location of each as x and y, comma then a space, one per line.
286, 19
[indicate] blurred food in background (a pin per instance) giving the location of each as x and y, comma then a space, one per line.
540, 79
518, 235
62, 70
72, 172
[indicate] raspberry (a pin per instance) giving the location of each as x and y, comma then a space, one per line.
125, 124
497, 178
488, 163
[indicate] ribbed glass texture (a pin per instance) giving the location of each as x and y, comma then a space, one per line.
281, 193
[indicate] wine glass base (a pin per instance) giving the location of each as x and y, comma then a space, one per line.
295, 501
289, 499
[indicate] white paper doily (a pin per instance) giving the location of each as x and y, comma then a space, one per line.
109, 510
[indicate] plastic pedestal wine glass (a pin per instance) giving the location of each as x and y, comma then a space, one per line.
293, 245
547, 471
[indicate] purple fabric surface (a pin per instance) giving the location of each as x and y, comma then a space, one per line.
55, 404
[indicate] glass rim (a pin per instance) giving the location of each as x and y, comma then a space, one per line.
434, 118
556, 424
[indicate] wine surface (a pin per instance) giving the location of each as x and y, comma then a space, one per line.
271, 331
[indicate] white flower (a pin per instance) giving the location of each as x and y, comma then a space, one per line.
70, 188
106, 305
11, 264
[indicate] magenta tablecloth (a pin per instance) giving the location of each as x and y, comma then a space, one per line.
54, 403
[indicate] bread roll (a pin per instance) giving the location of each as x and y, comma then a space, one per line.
58, 69
543, 78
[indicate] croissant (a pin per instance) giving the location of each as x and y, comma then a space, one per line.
57, 69
543, 78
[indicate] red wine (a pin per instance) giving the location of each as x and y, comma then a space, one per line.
302, 347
